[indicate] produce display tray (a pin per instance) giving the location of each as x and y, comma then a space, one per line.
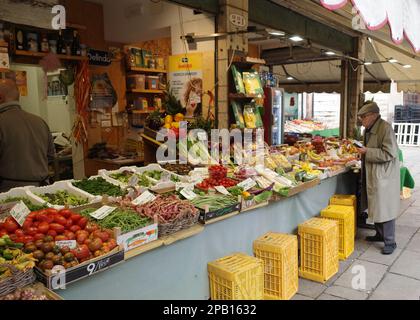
17, 193
81, 271
206, 216
60, 186
300, 188
161, 187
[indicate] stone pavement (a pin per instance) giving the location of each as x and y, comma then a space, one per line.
394, 277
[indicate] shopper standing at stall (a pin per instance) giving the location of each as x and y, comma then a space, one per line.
381, 175
26, 144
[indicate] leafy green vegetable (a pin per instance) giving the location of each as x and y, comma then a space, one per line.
127, 220
99, 187
62, 198
26, 201
262, 197
125, 176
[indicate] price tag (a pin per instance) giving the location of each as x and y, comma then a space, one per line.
222, 190
134, 180
144, 198
247, 184
102, 212
188, 194
202, 135
71, 244
20, 212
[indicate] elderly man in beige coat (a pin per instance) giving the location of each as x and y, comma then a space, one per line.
381, 175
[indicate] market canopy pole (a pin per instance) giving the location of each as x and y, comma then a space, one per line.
232, 16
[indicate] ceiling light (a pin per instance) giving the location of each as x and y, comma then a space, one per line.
290, 78
276, 33
407, 66
330, 53
296, 38
392, 60
368, 63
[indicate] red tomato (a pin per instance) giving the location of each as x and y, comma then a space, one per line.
39, 236
33, 215
91, 227
31, 231
43, 227
28, 223
112, 243
104, 236
82, 222
27, 239
60, 220
75, 217
11, 225
17, 239
3, 232
74, 228
57, 227
36, 224
19, 233
52, 233
81, 252
81, 238
66, 213
69, 224
70, 235
51, 211
61, 238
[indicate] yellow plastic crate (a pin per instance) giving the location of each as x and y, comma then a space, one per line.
344, 215
236, 277
280, 255
346, 200
318, 249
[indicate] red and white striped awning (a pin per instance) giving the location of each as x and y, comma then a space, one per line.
403, 17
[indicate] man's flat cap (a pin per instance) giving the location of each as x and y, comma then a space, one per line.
369, 107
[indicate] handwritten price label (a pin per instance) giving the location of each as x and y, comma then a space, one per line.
20, 211
222, 190
188, 194
71, 244
247, 184
102, 212
144, 198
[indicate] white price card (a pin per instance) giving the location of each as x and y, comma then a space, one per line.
201, 171
247, 184
71, 244
188, 194
144, 198
20, 212
134, 180
222, 190
102, 212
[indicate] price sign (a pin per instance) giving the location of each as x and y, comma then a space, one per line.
202, 135
222, 190
247, 184
102, 212
20, 211
183, 185
71, 244
201, 171
144, 198
188, 194
134, 180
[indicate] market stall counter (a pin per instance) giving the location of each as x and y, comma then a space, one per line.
179, 271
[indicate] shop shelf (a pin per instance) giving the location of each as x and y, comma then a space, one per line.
146, 91
344, 215
280, 255
236, 277
42, 54
318, 249
147, 70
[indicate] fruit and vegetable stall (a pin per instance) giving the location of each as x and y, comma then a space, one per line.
155, 228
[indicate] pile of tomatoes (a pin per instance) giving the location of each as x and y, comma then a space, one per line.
211, 183
218, 172
43, 228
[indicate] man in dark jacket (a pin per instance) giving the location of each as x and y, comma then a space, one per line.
26, 143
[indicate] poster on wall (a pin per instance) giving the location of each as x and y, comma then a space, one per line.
21, 81
186, 82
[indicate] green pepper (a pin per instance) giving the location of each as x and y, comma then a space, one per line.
8, 254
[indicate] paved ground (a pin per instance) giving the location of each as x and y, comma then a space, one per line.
394, 277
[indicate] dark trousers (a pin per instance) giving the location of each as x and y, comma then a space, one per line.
387, 231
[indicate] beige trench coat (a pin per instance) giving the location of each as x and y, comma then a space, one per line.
382, 173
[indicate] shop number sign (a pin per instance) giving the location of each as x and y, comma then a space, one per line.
237, 20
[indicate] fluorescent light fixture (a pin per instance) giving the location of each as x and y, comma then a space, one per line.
368, 63
407, 66
296, 38
290, 78
276, 33
330, 53
392, 60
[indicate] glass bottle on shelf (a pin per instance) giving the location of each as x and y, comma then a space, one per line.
61, 46
44, 43
75, 47
20, 40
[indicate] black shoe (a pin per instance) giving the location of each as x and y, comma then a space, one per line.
375, 238
389, 249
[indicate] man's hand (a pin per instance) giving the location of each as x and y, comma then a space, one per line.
362, 151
